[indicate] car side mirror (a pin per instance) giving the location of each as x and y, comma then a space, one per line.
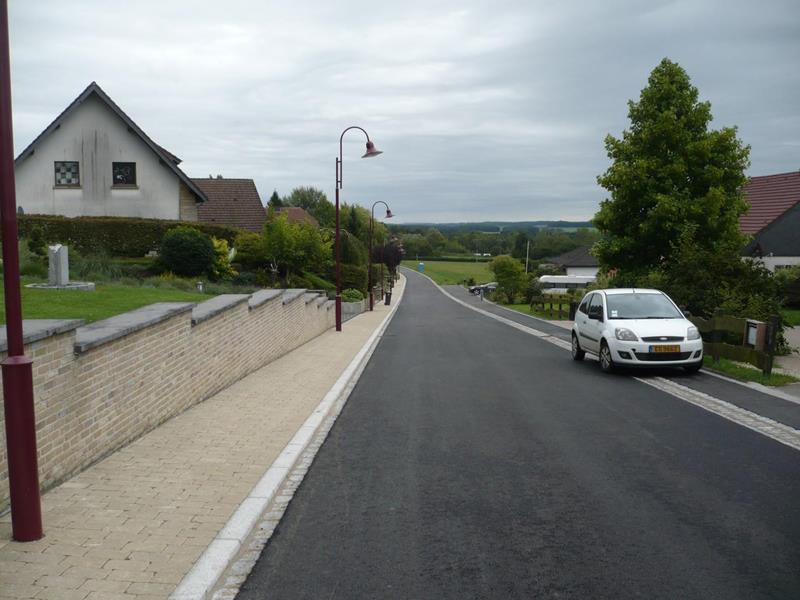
687, 313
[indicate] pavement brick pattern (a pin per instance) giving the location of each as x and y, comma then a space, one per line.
132, 525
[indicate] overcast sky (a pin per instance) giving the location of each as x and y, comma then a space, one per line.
485, 110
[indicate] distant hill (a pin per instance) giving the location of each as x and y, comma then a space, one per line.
493, 226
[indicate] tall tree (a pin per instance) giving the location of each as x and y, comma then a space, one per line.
315, 202
670, 177
510, 276
520, 244
275, 200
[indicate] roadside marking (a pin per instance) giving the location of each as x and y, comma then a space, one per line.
779, 432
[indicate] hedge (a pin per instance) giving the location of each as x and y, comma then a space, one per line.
116, 236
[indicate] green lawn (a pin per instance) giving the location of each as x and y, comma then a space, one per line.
737, 371
445, 273
106, 301
792, 315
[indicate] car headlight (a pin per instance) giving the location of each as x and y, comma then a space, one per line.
693, 333
624, 334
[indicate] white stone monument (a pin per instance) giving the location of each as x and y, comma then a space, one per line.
58, 272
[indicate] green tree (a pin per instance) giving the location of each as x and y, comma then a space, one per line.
315, 202
313, 247
510, 276
520, 245
280, 246
436, 240
275, 200
669, 171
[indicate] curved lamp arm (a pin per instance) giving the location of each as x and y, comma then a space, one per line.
371, 151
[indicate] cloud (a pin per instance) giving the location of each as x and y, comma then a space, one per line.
485, 110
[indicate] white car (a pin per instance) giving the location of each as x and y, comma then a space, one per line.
635, 328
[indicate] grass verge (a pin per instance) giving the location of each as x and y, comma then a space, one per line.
448, 273
792, 315
742, 373
106, 301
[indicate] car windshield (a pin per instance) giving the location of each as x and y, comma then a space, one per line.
641, 306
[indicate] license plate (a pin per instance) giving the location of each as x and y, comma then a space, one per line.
665, 348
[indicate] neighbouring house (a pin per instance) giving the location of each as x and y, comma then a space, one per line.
232, 202
297, 215
577, 262
93, 160
773, 219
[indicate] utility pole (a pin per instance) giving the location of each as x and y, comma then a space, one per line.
527, 254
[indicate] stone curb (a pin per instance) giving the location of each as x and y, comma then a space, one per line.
225, 548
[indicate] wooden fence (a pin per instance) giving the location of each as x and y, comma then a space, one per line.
743, 340
556, 306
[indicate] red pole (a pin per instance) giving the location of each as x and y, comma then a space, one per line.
338, 252
369, 272
23, 469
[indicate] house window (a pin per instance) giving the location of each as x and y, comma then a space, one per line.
124, 173
67, 173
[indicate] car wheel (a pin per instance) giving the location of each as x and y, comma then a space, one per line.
606, 363
693, 368
577, 353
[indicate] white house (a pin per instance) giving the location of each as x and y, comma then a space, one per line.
93, 160
577, 262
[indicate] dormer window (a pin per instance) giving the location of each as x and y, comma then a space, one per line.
67, 173
124, 173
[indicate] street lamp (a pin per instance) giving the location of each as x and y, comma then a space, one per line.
389, 215
371, 151
23, 468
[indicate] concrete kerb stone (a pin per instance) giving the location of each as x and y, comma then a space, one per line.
292, 294
217, 305
262, 297
101, 332
34, 330
230, 541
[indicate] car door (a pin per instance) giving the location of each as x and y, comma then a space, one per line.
594, 324
585, 325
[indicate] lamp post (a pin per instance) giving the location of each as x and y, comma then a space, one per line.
389, 215
23, 468
371, 151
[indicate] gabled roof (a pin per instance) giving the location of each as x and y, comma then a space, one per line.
770, 196
579, 257
169, 159
297, 214
232, 202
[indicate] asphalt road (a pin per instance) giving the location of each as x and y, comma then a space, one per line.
476, 461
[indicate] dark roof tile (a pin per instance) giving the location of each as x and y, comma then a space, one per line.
232, 202
770, 196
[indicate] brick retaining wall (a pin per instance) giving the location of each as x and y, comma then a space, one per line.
99, 387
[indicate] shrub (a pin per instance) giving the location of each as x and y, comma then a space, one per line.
354, 276
94, 267
36, 243
352, 295
186, 251
318, 283
221, 265
245, 279
251, 253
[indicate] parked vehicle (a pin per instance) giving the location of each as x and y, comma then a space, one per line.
561, 284
485, 287
635, 328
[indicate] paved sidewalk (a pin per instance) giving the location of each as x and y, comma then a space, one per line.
135, 523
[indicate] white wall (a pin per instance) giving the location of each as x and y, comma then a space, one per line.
95, 137
771, 262
587, 271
